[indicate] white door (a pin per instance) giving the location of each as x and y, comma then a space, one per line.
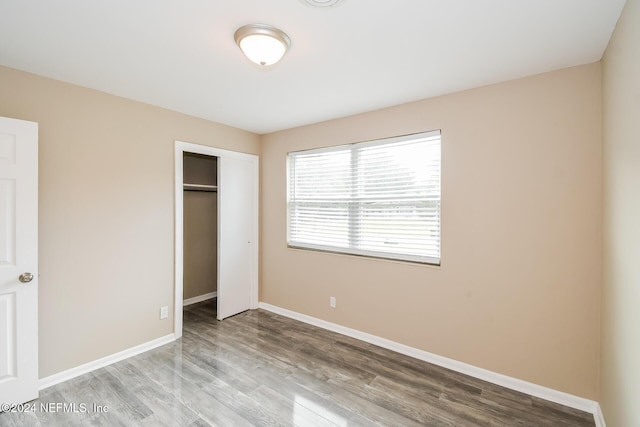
237, 233
18, 260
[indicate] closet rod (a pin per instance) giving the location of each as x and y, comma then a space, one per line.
200, 187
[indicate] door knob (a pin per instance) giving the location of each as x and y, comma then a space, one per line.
26, 277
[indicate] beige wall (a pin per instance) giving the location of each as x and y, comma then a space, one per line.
106, 213
519, 288
620, 373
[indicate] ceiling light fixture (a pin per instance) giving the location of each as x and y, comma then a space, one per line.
321, 3
263, 44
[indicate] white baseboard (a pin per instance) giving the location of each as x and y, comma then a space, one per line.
104, 361
599, 417
199, 298
542, 392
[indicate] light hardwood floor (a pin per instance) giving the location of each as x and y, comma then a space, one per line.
258, 368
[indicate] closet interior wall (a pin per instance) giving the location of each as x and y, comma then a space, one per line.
200, 225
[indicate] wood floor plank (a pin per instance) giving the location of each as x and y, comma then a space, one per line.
560, 411
299, 413
167, 410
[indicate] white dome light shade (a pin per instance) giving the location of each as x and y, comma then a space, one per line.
261, 49
321, 3
262, 44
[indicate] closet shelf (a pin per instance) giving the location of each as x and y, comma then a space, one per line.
199, 187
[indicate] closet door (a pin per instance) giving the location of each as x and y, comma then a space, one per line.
237, 233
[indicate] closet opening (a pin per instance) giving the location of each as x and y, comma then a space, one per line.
200, 233
216, 231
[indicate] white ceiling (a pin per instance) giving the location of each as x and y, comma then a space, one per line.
358, 56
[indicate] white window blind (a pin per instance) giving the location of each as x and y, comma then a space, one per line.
379, 198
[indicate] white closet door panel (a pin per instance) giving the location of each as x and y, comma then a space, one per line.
237, 234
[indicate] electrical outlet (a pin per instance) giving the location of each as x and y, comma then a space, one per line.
332, 302
164, 312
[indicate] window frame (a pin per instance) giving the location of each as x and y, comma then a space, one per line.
354, 251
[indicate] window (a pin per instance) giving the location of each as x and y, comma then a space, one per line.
378, 198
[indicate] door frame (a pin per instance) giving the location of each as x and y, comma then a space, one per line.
182, 147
